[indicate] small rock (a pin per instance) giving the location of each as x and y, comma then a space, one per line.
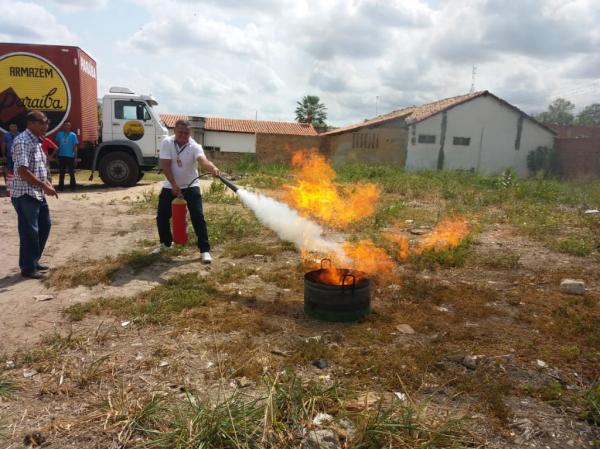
345, 428
29, 373
572, 286
470, 362
125, 323
321, 439
34, 439
409, 221
322, 419
10, 364
43, 297
442, 309
163, 363
405, 329
321, 363
419, 231
541, 363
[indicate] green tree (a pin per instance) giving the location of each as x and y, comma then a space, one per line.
589, 116
560, 111
311, 110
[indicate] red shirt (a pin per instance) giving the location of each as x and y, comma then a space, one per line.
48, 145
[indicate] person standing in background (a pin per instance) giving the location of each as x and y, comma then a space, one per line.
68, 146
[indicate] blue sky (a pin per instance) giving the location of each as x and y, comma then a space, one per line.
233, 58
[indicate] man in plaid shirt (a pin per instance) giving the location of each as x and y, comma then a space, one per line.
30, 185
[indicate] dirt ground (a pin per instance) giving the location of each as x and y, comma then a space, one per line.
493, 343
89, 224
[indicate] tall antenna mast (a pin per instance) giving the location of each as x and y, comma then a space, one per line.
473, 75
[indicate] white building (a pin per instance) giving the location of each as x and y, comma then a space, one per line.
477, 131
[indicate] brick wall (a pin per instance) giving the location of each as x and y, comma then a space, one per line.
578, 157
279, 147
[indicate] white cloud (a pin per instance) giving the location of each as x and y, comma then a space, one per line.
29, 22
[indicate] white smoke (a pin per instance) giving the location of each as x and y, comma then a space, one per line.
288, 224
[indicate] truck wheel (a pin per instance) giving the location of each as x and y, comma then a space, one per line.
119, 169
140, 176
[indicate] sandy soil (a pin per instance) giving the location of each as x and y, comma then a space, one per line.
91, 223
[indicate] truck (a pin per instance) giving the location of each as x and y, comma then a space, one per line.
61, 82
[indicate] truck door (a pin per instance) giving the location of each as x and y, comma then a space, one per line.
132, 121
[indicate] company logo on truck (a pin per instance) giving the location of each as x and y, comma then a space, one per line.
29, 82
133, 130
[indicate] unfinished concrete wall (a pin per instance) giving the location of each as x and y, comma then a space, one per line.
280, 147
385, 143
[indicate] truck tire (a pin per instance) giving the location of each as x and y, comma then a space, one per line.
140, 176
119, 169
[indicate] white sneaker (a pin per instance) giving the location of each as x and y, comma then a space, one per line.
160, 249
205, 257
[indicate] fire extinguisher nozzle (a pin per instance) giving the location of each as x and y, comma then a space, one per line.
228, 183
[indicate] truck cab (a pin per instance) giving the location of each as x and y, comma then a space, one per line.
132, 133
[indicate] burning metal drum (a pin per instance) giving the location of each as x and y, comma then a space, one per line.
337, 294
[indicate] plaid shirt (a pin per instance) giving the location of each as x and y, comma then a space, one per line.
27, 152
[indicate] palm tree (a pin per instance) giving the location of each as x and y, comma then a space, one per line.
311, 110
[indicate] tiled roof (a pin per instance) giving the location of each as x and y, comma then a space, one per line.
412, 114
416, 114
246, 126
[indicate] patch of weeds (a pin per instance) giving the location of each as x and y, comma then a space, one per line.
133, 414
235, 422
592, 405
93, 372
404, 427
232, 225
233, 273
307, 350
159, 304
575, 246
7, 388
502, 260
218, 193
96, 272
238, 250
148, 200
451, 257
78, 311
284, 277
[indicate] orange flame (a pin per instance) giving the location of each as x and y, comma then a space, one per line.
448, 233
401, 242
315, 194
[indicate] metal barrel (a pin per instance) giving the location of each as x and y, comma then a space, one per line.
228, 183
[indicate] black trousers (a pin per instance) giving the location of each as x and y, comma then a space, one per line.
66, 163
193, 199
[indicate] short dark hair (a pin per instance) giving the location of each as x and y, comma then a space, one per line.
184, 123
35, 116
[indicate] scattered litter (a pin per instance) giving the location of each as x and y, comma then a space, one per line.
43, 297
10, 364
592, 211
572, 286
259, 256
163, 363
125, 323
29, 373
209, 365
139, 357
280, 352
469, 361
322, 419
541, 363
137, 344
243, 382
405, 329
409, 221
316, 338
321, 363
400, 396
419, 231
442, 309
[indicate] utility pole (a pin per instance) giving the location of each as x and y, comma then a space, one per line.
473, 74
377, 105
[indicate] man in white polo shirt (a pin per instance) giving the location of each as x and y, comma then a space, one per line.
179, 157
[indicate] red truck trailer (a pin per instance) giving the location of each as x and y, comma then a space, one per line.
61, 81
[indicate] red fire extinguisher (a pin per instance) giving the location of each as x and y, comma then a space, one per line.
178, 222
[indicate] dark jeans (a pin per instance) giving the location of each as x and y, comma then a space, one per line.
66, 163
194, 203
34, 228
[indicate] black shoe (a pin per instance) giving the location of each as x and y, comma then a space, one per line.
33, 274
41, 267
